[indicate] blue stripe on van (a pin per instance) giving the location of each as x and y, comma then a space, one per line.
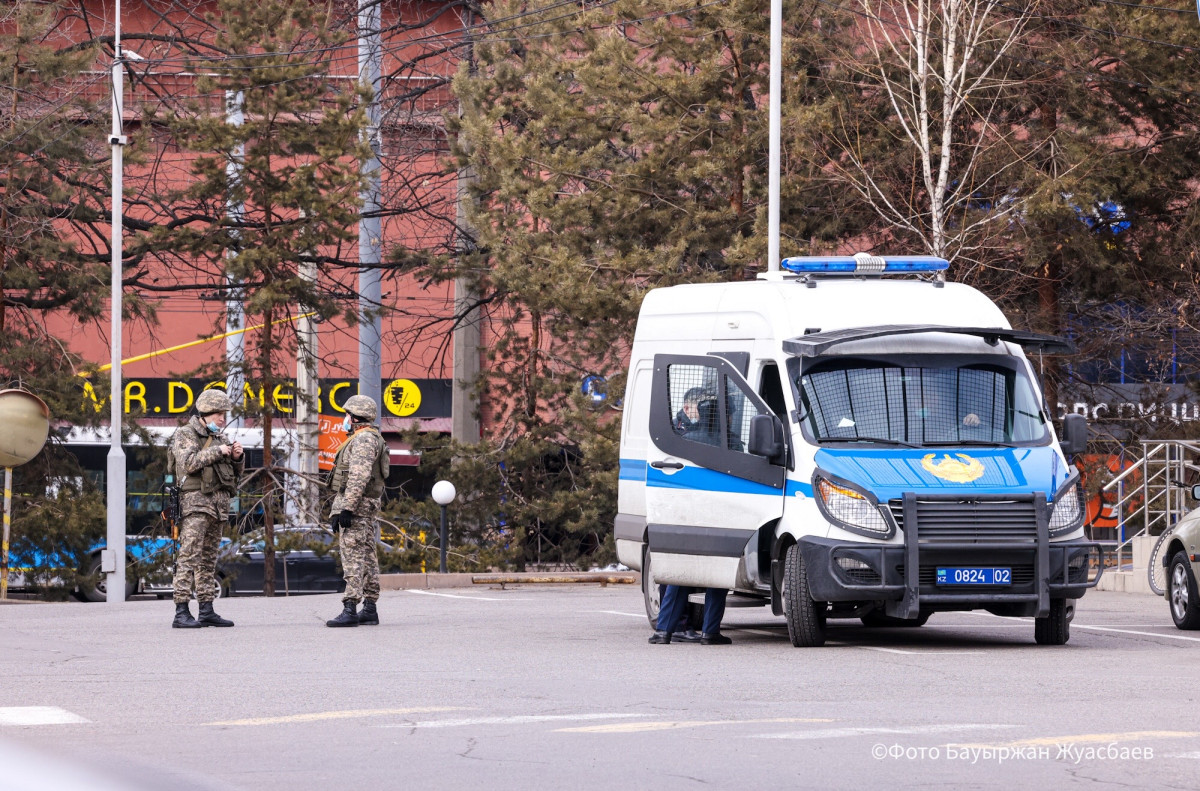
702, 479
633, 470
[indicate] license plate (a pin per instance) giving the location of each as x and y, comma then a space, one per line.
973, 575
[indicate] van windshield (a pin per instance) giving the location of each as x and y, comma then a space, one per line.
927, 403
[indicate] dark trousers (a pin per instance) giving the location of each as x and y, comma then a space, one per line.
674, 602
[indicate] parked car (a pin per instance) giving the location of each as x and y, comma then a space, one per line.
1181, 559
305, 562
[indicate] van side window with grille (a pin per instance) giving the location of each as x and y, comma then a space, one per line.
695, 413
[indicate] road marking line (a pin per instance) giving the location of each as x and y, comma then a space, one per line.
641, 727
763, 632
318, 716
454, 596
519, 719
1144, 634
1100, 628
1087, 738
614, 612
915, 730
976, 625
38, 715
902, 651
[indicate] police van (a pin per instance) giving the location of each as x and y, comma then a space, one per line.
850, 437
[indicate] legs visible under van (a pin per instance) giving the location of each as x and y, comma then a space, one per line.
672, 606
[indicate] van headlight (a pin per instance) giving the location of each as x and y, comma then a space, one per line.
1068, 511
850, 508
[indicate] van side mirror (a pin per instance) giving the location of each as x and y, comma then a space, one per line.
1196, 492
1075, 434
766, 437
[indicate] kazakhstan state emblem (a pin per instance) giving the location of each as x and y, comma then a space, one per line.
964, 469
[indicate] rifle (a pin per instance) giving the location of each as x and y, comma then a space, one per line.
171, 507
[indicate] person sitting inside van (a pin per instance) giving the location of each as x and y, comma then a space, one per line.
936, 418
697, 418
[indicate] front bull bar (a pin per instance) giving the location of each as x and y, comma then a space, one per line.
909, 592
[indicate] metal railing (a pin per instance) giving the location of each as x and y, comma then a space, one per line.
1163, 493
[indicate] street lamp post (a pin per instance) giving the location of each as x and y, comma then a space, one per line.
776, 91
113, 559
443, 495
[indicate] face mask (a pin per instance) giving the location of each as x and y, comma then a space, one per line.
347, 424
214, 428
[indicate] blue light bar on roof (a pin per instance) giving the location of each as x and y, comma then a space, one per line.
865, 264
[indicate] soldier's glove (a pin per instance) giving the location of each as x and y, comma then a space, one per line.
342, 519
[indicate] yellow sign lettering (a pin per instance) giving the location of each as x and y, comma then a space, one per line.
173, 406
90, 392
135, 391
333, 392
278, 396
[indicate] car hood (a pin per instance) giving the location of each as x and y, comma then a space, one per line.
890, 472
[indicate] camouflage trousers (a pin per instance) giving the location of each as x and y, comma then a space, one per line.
196, 563
360, 563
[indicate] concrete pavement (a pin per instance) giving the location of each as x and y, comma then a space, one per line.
555, 687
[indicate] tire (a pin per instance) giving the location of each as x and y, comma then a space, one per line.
877, 619
92, 587
650, 595
805, 617
1156, 572
1055, 628
1181, 593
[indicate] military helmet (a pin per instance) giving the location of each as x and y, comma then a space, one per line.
211, 401
362, 407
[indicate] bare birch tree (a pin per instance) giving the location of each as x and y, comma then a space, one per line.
938, 72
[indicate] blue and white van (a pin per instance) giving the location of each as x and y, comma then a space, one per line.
850, 437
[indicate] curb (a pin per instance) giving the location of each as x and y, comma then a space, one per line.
426, 581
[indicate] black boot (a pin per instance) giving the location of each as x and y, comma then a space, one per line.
660, 638
183, 617
348, 617
368, 615
716, 638
210, 618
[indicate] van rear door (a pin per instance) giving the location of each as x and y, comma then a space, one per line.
706, 494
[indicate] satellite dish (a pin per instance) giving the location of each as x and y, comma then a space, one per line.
24, 426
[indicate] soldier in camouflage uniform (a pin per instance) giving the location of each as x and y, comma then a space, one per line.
208, 468
359, 471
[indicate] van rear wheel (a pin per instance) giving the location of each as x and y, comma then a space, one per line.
650, 593
805, 617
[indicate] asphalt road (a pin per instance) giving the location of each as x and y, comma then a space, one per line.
556, 687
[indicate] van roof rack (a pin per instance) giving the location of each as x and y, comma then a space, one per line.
819, 343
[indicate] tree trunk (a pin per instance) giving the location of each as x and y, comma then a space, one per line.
1048, 283
264, 369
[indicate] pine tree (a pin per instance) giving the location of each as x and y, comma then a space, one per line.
295, 180
617, 148
53, 256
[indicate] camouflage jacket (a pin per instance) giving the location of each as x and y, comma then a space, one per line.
356, 464
191, 457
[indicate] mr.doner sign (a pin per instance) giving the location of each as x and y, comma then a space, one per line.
163, 397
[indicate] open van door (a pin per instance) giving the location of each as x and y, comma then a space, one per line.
707, 493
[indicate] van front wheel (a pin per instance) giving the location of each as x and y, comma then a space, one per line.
1055, 628
805, 617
